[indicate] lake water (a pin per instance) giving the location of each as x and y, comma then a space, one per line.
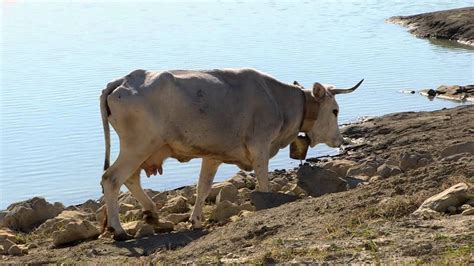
57, 57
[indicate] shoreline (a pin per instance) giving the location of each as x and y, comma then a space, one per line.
454, 24
394, 163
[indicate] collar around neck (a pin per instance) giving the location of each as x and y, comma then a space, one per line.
310, 111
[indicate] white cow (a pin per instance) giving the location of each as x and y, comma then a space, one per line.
235, 116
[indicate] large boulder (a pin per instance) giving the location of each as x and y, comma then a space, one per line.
413, 160
26, 215
318, 181
454, 196
465, 147
75, 231
267, 200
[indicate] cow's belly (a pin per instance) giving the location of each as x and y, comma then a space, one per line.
154, 163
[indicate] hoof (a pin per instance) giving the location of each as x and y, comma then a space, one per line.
150, 217
122, 237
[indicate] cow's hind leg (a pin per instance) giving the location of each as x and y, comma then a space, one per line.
113, 178
206, 176
149, 207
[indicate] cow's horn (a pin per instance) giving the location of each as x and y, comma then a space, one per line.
341, 91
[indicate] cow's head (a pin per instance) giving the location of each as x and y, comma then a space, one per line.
326, 129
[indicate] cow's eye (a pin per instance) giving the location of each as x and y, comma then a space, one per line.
335, 112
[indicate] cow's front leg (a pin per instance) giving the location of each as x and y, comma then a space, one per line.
260, 164
206, 176
150, 214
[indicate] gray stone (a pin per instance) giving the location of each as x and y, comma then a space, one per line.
386, 170
453, 196
414, 160
58, 222
238, 181
145, 230
267, 200
318, 181
364, 169
26, 215
465, 147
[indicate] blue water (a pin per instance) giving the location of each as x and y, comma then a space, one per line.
56, 58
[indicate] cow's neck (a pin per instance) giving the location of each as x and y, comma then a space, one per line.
310, 111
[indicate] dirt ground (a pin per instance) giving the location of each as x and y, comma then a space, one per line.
371, 223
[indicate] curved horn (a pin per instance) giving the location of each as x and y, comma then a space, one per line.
341, 91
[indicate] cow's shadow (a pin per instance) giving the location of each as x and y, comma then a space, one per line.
164, 241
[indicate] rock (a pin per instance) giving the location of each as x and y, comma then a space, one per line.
282, 181
216, 188
125, 207
450, 90
160, 199
452, 210
176, 218
176, 205
5, 234
133, 227
32, 246
469, 211
26, 215
90, 206
100, 214
367, 169
431, 93
298, 191
267, 200
353, 182
238, 181
247, 207
456, 157
375, 178
386, 170
224, 210
189, 192
245, 193
453, 196
62, 220
471, 202
7, 243
133, 215
164, 226
145, 230
275, 187
182, 226
464, 207
229, 193
318, 181
413, 160
15, 251
127, 198
465, 147
73, 232
2, 216
340, 166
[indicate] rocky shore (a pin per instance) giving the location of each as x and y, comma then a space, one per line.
401, 192
455, 24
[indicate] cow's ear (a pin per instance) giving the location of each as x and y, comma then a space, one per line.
318, 91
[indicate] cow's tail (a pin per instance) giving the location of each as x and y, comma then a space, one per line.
105, 112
